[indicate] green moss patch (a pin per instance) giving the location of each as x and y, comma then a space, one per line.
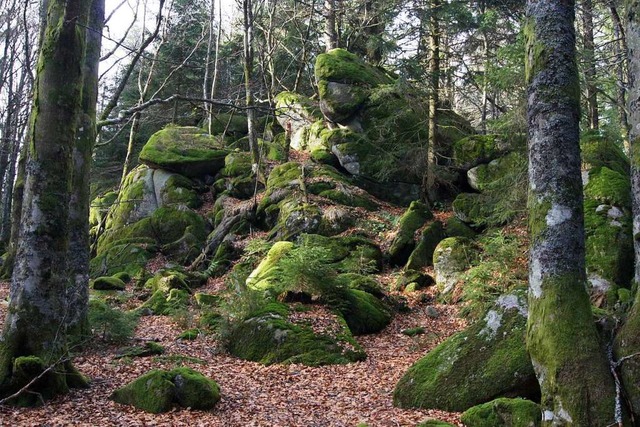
341, 66
268, 337
189, 151
158, 391
504, 413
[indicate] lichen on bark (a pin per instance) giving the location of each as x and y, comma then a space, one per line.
577, 388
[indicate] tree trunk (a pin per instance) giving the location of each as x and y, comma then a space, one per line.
78, 293
620, 54
590, 64
569, 361
628, 339
434, 77
330, 34
247, 7
34, 335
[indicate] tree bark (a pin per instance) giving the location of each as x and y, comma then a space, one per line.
247, 7
35, 327
590, 64
434, 77
569, 361
78, 293
330, 34
628, 339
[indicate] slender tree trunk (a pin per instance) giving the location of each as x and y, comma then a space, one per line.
374, 30
247, 7
569, 361
207, 66
628, 339
35, 328
133, 131
216, 62
434, 77
620, 53
590, 64
485, 78
330, 34
78, 293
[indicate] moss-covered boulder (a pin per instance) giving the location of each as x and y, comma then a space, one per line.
297, 113
233, 125
404, 242
472, 208
188, 151
451, 257
434, 423
457, 228
145, 190
325, 270
477, 149
343, 81
100, 206
165, 302
107, 283
159, 391
598, 151
422, 255
482, 176
504, 412
268, 336
179, 232
485, 361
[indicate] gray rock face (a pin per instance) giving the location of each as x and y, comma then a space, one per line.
147, 190
341, 101
451, 257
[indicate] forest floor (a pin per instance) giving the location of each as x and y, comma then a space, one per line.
253, 394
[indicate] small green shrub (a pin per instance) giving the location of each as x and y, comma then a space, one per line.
110, 324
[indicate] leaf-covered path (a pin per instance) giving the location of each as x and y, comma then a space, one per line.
252, 394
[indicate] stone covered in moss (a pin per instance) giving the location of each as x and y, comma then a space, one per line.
598, 151
180, 231
434, 423
456, 228
100, 207
608, 187
364, 313
145, 190
268, 337
330, 277
473, 208
233, 125
296, 113
451, 257
166, 303
482, 176
422, 255
404, 242
485, 361
158, 391
504, 412
189, 151
476, 149
107, 283
150, 348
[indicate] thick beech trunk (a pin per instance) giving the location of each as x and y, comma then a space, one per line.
568, 358
35, 328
